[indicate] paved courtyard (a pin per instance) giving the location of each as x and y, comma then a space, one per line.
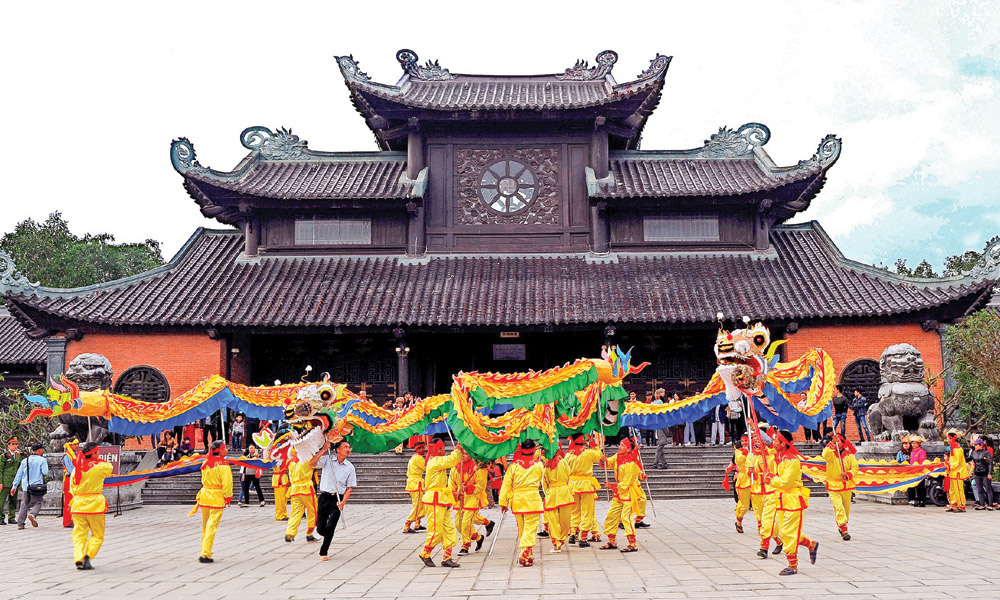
692, 551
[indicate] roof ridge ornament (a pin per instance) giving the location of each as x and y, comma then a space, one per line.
430, 71
10, 277
582, 71
989, 262
826, 154
656, 67
274, 145
735, 144
350, 68
183, 158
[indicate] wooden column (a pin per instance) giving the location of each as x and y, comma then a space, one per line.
600, 234
416, 242
251, 236
414, 149
599, 149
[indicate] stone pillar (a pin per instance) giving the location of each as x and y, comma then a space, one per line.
403, 367
55, 352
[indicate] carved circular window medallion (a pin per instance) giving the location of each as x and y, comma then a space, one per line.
508, 186
143, 383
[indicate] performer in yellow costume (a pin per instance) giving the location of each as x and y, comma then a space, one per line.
438, 499
519, 494
468, 484
580, 460
302, 491
957, 471
216, 493
415, 487
793, 500
88, 504
279, 483
741, 464
71, 448
626, 467
558, 499
763, 463
841, 473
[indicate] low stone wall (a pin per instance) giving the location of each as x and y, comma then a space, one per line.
887, 451
127, 497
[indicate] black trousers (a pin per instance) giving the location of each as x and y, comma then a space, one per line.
250, 480
327, 516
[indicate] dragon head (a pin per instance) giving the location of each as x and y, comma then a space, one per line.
743, 359
310, 417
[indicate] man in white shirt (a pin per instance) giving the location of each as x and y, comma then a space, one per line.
31, 472
335, 485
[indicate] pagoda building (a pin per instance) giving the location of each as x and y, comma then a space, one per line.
505, 223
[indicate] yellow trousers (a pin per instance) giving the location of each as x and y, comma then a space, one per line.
280, 503
210, 518
440, 530
841, 506
620, 512
559, 520
465, 520
956, 493
767, 519
302, 505
789, 524
757, 503
417, 508
743, 506
527, 529
583, 516
84, 527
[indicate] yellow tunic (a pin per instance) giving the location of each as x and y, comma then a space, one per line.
626, 478
519, 491
835, 479
216, 487
759, 464
556, 485
581, 471
88, 497
437, 492
470, 486
792, 495
742, 470
300, 476
415, 473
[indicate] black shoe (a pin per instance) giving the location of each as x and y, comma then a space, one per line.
205, 559
479, 542
543, 533
463, 552
762, 553
310, 538
571, 539
777, 549
621, 526
289, 538
450, 563
420, 528
428, 561
642, 525
489, 528
86, 564
584, 544
79, 565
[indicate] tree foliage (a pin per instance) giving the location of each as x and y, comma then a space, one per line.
51, 254
973, 348
954, 265
14, 408
924, 269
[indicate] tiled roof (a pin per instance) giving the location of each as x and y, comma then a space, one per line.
804, 276
638, 176
16, 348
316, 179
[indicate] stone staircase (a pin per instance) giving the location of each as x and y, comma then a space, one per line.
692, 472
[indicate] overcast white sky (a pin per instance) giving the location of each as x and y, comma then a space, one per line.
95, 91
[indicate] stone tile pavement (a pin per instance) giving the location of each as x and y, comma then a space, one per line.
692, 551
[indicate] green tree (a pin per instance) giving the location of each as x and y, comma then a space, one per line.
924, 269
51, 254
954, 265
14, 408
973, 347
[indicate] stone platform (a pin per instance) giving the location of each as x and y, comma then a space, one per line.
692, 551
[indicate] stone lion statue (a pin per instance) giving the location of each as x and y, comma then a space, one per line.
91, 372
905, 403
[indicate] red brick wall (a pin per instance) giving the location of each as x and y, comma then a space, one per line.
183, 358
847, 343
